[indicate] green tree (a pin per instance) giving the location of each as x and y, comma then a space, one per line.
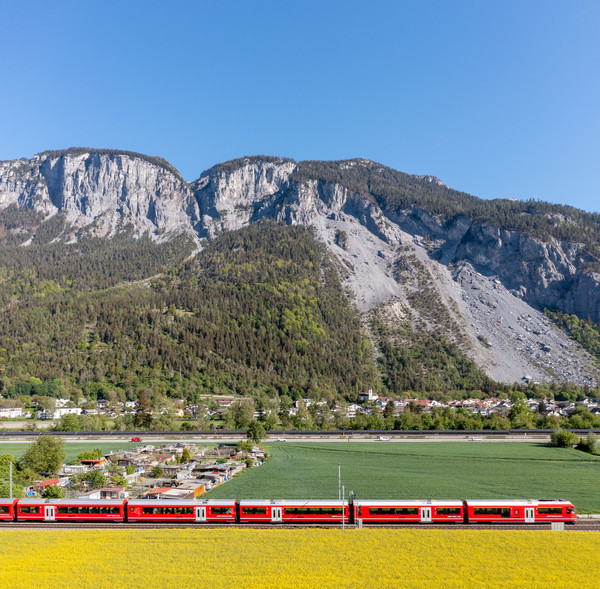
143, 411
45, 456
256, 431
157, 472
68, 423
53, 492
185, 456
95, 477
563, 439
94, 454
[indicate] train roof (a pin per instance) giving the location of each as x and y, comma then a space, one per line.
99, 502
7, 501
293, 502
408, 502
515, 502
182, 502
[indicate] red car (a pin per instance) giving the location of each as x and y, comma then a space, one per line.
522, 511
136, 439
292, 511
415, 511
58, 510
7, 509
203, 510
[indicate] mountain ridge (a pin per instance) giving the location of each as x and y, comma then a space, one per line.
458, 264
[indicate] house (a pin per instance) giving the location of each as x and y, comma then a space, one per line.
41, 486
10, 412
157, 492
115, 492
95, 464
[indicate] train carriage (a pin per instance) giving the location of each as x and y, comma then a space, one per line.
7, 509
409, 511
292, 511
166, 510
519, 511
51, 510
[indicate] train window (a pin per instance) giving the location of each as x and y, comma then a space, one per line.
114, 510
29, 508
72, 509
448, 510
498, 511
222, 510
394, 511
313, 510
516, 512
4, 509
550, 510
254, 511
62, 509
571, 510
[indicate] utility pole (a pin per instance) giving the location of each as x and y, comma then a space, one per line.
10, 479
339, 482
343, 508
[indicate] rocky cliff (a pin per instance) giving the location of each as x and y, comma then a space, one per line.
476, 282
101, 194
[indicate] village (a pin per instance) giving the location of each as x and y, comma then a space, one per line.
177, 471
216, 412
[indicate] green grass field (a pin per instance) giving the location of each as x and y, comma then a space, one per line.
454, 470
72, 449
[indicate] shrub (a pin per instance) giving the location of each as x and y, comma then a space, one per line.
562, 438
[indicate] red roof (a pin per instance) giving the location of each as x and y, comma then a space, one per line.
47, 483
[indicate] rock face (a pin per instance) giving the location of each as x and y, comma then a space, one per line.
489, 283
100, 194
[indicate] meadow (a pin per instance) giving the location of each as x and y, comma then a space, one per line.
72, 449
297, 558
453, 470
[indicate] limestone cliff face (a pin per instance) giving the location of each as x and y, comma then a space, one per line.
543, 274
101, 193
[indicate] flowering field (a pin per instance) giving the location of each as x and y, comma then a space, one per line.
298, 558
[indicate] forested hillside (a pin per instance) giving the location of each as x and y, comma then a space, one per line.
261, 308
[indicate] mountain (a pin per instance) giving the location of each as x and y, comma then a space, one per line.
434, 273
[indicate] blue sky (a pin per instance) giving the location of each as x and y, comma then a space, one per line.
499, 99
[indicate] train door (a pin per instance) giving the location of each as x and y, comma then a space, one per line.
276, 515
529, 515
49, 513
426, 514
201, 514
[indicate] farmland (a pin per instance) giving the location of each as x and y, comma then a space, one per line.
422, 470
297, 558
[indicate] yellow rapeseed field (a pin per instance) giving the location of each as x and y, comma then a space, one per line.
297, 558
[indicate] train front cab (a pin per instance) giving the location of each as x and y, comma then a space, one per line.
408, 511
8, 508
527, 511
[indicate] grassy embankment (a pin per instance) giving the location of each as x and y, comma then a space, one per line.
298, 558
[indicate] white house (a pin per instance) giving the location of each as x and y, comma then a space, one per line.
10, 412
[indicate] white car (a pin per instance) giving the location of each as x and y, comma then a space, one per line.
384, 439
281, 440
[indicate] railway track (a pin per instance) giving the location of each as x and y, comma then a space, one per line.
580, 526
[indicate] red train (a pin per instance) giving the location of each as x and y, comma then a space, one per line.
290, 511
